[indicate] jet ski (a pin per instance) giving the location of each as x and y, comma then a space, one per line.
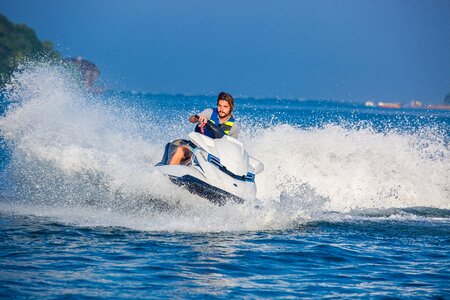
219, 169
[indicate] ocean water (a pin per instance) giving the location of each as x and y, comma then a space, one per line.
354, 202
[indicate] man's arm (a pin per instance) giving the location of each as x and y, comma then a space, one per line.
204, 116
234, 131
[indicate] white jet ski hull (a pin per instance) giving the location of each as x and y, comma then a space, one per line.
208, 177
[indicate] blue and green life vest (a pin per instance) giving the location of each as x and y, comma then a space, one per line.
226, 126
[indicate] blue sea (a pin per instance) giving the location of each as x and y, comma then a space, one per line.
354, 201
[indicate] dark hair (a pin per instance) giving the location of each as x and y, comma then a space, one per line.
227, 97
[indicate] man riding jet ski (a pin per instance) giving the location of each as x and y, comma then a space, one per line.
213, 163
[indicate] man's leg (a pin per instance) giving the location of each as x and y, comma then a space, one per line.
181, 153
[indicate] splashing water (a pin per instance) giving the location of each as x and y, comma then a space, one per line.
88, 159
355, 168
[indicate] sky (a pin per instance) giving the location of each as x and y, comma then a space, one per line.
345, 50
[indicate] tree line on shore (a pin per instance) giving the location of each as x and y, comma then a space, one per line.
18, 42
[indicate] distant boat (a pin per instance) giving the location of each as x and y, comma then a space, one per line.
437, 107
389, 105
416, 104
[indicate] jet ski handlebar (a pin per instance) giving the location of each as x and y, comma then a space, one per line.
216, 130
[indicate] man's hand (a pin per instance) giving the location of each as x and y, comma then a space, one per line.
202, 119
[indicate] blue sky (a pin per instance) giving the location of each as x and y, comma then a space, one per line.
349, 50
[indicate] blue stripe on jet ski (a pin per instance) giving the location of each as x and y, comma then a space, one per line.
250, 177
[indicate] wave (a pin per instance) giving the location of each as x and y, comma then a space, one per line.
355, 168
89, 159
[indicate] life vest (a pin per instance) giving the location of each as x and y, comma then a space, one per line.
226, 126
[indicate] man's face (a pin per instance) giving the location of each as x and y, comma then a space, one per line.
223, 108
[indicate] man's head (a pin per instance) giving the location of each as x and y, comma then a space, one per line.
225, 104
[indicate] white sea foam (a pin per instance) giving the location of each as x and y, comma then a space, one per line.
354, 169
82, 161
